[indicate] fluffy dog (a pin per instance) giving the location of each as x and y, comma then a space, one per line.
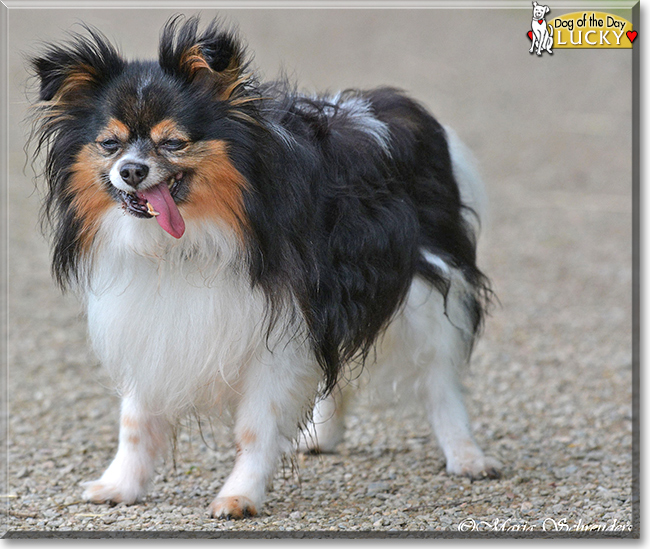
239, 244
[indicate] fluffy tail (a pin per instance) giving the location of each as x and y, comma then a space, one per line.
472, 190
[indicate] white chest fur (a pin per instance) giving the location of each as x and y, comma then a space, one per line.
173, 321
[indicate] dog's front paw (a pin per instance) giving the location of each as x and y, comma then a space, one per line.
476, 467
236, 507
100, 491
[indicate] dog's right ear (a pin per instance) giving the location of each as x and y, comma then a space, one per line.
214, 58
70, 72
534, 4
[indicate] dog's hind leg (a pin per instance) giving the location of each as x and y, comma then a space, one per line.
549, 42
142, 440
450, 424
442, 343
326, 429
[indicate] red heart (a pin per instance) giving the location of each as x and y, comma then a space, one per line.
530, 35
540, 21
631, 35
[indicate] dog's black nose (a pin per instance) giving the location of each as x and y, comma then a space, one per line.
133, 173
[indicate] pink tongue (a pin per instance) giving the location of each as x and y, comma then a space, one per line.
170, 218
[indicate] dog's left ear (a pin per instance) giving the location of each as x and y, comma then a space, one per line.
214, 58
72, 72
546, 9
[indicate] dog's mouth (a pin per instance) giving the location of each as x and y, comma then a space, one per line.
158, 201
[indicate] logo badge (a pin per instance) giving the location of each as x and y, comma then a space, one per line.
586, 30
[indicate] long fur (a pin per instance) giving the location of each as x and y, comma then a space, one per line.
308, 218
368, 174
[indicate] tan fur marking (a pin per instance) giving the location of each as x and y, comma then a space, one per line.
226, 80
236, 507
217, 188
165, 130
236, 81
49, 115
133, 439
194, 61
129, 423
245, 100
139, 431
89, 197
55, 110
247, 438
115, 129
77, 79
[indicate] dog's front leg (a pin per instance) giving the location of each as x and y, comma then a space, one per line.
276, 396
540, 43
143, 438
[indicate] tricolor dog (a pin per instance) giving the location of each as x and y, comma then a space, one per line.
240, 246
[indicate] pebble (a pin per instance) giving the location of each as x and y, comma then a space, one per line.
375, 487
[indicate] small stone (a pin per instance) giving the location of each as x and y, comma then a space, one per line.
376, 487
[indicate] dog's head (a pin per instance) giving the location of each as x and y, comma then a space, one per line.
156, 138
539, 11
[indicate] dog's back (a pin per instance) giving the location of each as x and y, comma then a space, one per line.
389, 193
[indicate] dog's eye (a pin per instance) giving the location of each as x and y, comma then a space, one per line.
110, 145
172, 145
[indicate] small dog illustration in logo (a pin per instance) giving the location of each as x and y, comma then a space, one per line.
542, 33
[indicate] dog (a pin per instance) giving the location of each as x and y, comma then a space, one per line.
542, 32
240, 245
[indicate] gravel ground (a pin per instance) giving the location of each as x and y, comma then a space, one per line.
550, 388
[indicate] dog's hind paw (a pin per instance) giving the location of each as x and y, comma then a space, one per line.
236, 507
321, 439
477, 468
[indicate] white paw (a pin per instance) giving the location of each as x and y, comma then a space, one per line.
236, 507
326, 429
100, 491
476, 467
321, 440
